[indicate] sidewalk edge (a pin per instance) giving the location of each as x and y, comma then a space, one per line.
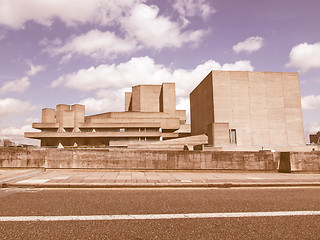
158, 185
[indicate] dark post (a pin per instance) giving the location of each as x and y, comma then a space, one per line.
284, 165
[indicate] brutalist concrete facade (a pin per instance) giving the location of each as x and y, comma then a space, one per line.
150, 115
237, 108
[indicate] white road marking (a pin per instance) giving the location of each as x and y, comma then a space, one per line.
34, 181
186, 181
66, 177
156, 216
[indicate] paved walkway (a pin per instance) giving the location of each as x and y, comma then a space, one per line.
108, 178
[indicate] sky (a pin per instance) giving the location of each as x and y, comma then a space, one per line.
92, 51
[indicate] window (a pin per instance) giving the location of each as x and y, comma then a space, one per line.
233, 136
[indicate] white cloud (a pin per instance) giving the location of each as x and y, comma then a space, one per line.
16, 134
32, 120
22, 84
146, 26
34, 69
191, 8
183, 103
143, 70
305, 56
140, 24
107, 100
141, 27
310, 102
19, 85
16, 13
110, 80
12, 106
95, 44
313, 127
251, 44
15, 131
135, 71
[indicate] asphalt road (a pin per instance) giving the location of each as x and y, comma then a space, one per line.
88, 202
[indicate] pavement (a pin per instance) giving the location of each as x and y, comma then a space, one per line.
87, 178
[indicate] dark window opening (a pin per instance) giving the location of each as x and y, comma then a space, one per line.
233, 136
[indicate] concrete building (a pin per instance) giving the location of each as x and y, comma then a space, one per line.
248, 109
6, 143
315, 138
150, 115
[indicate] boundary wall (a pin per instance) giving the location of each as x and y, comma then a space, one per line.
153, 159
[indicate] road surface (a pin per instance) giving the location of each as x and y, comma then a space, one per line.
265, 213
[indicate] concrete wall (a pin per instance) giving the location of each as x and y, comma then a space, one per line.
201, 105
136, 159
152, 159
305, 161
263, 107
146, 98
219, 132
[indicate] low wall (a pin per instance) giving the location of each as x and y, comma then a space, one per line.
136, 159
151, 159
305, 161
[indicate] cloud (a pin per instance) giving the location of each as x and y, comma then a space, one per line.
108, 100
16, 13
15, 131
146, 26
22, 84
110, 80
142, 70
305, 56
140, 26
95, 44
191, 8
183, 103
310, 102
251, 44
12, 106
34, 69
16, 134
313, 127
19, 85
32, 120
135, 71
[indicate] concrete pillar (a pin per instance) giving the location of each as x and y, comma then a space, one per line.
168, 98
135, 99
128, 102
79, 114
48, 115
59, 113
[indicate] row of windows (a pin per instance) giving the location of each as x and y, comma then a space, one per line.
106, 130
